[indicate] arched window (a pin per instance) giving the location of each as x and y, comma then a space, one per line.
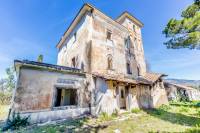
128, 67
110, 62
138, 71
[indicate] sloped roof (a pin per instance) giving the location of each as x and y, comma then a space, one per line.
131, 17
88, 7
115, 77
46, 66
180, 86
151, 77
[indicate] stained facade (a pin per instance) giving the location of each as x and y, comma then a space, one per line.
101, 68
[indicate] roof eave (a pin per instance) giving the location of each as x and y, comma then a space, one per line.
130, 16
84, 8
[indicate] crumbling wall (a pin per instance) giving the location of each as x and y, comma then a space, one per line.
180, 92
105, 100
36, 89
158, 94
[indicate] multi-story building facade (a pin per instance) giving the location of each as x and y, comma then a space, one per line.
101, 68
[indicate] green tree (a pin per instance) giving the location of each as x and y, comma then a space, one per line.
10, 79
40, 58
184, 33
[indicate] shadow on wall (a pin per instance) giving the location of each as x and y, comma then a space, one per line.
175, 118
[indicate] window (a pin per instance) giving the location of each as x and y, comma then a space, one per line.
73, 62
127, 44
110, 62
135, 42
65, 97
128, 68
74, 37
109, 35
82, 66
138, 70
134, 27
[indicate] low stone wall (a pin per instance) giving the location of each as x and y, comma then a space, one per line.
54, 115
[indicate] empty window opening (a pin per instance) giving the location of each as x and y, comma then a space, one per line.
138, 71
128, 68
109, 35
134, 27
135, 42
65, 97
127, 43
110, 62
73, 62
82, 66
75, 37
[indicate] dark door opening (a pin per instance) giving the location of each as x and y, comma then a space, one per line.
65, 97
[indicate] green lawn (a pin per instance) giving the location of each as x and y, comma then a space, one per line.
172, 118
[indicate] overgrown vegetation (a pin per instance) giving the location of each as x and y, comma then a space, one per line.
136, 110
16, 122
176, 117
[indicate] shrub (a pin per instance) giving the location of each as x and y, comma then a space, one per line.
136, 110
157, 111
165, 107
16, 122
115, 113
104, 116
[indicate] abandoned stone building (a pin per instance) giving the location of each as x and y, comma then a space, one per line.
178, 92
100, 68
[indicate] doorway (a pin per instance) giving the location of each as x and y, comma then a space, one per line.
122, 97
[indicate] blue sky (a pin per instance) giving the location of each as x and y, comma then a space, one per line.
32, 27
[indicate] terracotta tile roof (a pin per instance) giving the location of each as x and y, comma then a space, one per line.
151, 77
115, 77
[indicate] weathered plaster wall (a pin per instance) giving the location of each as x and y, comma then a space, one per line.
101, 47
158, 94
105, 100
137, 45
78, 46
36, 89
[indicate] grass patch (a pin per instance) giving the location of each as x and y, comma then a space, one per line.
167, 118
136, 110
3, 111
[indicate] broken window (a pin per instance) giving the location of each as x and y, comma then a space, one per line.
110, 62
128, 68
65, 97
109, 35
